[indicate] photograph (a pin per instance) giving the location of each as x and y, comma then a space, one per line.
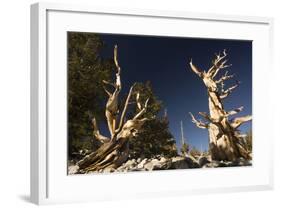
146, 103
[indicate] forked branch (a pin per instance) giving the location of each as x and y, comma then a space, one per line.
112, 102
117, 84
142, 109
218, 63
97, 134
109, 83
227, 92
198, 123
224, 78
121, 122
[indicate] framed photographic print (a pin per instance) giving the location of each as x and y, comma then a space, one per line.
132, 103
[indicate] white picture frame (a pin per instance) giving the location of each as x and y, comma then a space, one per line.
49, 180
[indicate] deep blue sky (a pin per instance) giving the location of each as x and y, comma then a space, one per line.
164, 61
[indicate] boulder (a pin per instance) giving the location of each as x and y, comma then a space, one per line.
130, 163
151, 165
180, 162
141, 164
238, 162
73, 169
212, 164
158, 164
108, 170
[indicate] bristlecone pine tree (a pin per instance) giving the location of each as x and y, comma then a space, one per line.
185, 147
225, 141
115, 150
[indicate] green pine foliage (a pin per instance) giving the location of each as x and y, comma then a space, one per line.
154, 138
86, 70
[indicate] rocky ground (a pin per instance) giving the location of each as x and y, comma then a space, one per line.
163, 163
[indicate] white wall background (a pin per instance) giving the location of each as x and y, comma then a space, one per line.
14, 102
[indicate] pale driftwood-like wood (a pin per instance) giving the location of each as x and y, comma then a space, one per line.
224, 137
97, 134
114, 150
111, 111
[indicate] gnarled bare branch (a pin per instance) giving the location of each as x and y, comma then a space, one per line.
142, 111
125, 109
233, 112
227, 92
118, 80
117, 84
224, 78
131, 127
195, 69
218, 64
236, 122
138, 101
107, 92
96, 132
116, 59
109, 83
198, 123
111, 110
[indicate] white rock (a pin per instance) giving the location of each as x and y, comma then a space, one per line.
72, 169
141, 164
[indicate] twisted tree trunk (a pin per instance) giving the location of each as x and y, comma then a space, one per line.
109, 155
114, 150
225, 140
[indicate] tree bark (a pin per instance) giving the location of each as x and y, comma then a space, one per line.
114, 150
225, 141
110, 155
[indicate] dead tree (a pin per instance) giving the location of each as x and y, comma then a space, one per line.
184, 146
114, 150
225, 140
